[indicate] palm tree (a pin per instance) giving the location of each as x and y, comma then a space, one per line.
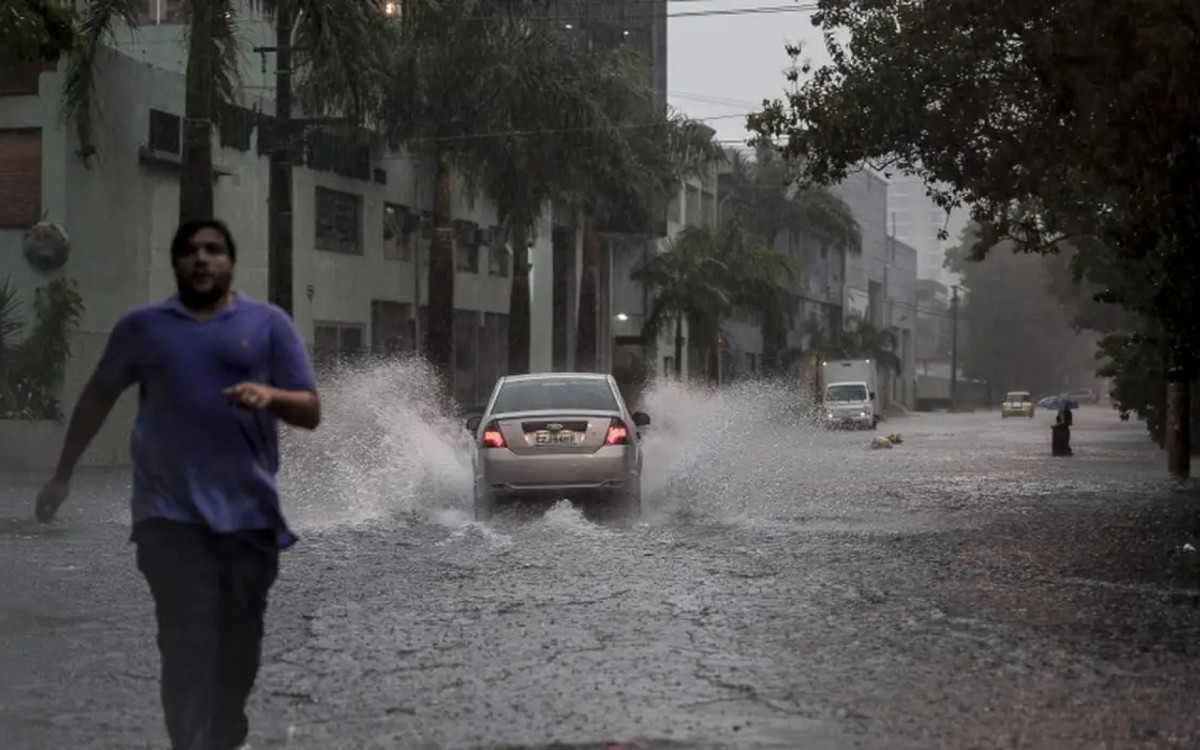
333, 43
555, 111
686, 282
624, 184
758, 277
459, 77
766, 198
859, 339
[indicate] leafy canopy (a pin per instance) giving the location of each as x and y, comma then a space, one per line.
1051, 119
37, 30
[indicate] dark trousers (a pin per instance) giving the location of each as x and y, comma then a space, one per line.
210, 595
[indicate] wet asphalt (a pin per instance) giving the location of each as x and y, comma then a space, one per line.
787, 588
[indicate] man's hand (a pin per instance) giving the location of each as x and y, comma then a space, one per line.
250, 395
52, 495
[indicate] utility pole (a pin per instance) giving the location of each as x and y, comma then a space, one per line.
279, 187
954, 349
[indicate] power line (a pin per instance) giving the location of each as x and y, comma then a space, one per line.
552, 131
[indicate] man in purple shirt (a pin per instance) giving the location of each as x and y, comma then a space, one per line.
215, 370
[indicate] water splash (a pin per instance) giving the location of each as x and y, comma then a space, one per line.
711, 453
388, 444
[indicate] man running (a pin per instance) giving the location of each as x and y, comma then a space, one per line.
216, 370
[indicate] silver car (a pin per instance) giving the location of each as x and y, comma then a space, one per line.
554, 435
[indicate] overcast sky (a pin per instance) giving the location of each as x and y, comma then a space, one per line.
723, 66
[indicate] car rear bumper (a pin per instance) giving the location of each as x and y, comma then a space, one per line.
501, 471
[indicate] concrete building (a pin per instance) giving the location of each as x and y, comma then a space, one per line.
832, 286
880, 283
640, 23
916, 220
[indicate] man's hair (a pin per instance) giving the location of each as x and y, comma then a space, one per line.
188, 229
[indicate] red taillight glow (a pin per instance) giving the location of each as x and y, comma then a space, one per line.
492, 437
618, 434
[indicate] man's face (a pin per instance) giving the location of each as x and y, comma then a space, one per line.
204, 271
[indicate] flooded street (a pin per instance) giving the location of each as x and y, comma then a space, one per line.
787, 587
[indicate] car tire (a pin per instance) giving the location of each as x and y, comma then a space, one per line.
628, 505
485, 505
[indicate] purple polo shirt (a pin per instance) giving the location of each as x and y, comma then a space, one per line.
196, 457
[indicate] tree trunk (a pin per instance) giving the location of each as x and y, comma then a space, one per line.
586, 332
279, 187
519, 306
771, 348
439, 333
678, 347
1179, 422
200, 100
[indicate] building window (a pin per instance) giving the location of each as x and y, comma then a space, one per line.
692, 210
391, 327
164, 132
157, 12
339, 222
498, 259
236, 126
336, 343
21, 79
466, 247
20, 178
395, 239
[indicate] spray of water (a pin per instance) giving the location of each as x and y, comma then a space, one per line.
724, 454
388, 445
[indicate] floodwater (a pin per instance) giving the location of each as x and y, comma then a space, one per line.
787, 587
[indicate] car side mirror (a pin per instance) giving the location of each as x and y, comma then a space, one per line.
872, 395
473, 424
641, 418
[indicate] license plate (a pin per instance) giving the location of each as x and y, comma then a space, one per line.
553, 438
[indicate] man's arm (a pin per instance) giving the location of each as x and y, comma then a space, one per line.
297, 408
93, 407
294, 397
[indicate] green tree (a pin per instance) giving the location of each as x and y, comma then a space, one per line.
459, 76
1051, 119
686, 282
335, 46
624, 184
37, 30
556, 113
707, 274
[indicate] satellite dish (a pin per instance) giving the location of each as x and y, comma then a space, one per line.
46, 246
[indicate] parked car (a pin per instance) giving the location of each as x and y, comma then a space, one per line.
557, 435
1017, 404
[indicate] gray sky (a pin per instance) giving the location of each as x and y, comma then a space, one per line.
725, 65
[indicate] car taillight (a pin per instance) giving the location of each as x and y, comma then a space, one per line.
618, 434
492, 437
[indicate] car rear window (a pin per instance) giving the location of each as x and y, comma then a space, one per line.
539, 395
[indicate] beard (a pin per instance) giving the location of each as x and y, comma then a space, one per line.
201, 299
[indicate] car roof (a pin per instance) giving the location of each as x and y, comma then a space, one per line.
535, 376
